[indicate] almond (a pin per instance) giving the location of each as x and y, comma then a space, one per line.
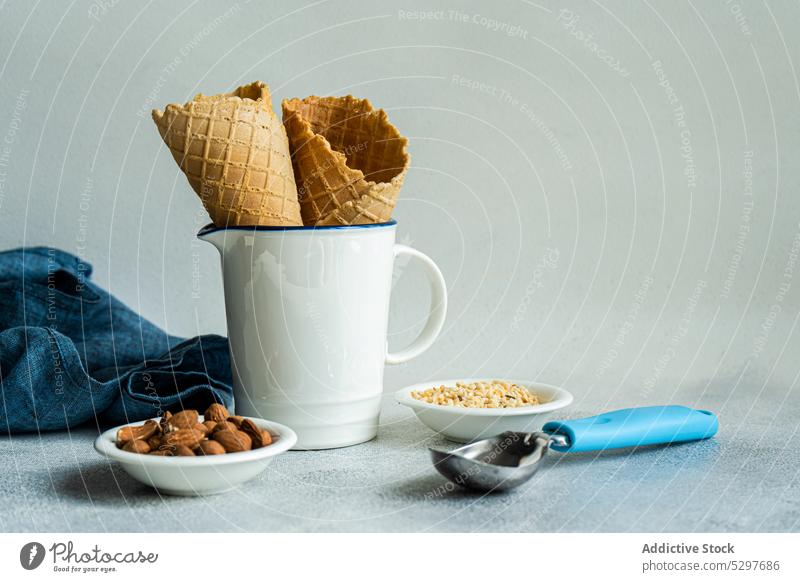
162, 453
249, 426
184, 419
137, 446
202, 428
132, 433
183, 451
126, 434
149, 428
237, 420
210, 448
210, 424
164, 422
183, 436
258, 437
216, 412
224, 425
245, 438
230, 440
262, 439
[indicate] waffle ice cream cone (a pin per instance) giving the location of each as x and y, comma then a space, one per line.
234, 152
349, 160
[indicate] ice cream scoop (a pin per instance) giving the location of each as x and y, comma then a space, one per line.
511, 458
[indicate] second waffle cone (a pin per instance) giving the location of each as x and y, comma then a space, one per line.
349, 160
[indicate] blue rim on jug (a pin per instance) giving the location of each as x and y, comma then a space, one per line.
209, 228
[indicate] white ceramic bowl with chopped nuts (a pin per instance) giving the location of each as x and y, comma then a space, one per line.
461, 424
205, 475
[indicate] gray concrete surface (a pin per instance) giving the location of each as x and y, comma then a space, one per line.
746, 479
632, 235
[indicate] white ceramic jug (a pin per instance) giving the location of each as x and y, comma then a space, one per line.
307, 312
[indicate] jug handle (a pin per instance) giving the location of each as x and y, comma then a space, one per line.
438, 308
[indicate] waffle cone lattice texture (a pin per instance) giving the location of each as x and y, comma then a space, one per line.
349, 160
234, 152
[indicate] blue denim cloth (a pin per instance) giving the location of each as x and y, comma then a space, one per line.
71, 353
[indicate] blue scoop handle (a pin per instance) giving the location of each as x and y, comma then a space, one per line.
632, 427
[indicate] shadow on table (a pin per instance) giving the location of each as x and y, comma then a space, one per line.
99, 482
435, 487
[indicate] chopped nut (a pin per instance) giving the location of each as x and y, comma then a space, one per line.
495, 394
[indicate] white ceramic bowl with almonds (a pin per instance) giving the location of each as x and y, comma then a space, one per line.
466, 424
196, 473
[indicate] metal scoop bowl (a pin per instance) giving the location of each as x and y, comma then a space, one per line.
494, 464
509, 459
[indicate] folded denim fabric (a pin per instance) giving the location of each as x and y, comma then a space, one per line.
71, 353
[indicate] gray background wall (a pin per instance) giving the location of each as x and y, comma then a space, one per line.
609, 188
